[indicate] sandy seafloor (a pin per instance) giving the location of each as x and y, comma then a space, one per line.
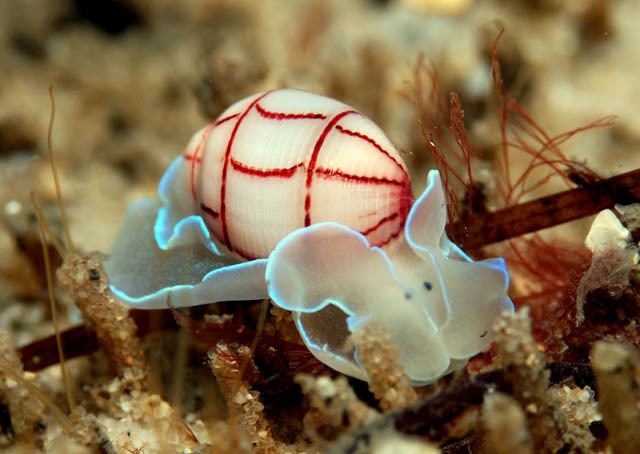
134, 79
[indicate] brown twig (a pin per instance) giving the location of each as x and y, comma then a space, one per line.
80, 340
491, 227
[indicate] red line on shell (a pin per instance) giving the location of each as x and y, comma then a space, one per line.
195, 157
391, 237
215, 215
382, 221
189, 157
225, 168
245, 255
339, 174
406, 198
370, 140
314, 159
237, 250
285, 172
288, 116
405, 201
225, 119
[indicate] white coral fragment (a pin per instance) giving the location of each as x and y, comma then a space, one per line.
607, 232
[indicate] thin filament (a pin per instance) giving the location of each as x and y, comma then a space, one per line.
51, 237
54, 311
254, 343
56, 179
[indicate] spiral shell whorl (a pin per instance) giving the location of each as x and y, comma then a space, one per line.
285, 159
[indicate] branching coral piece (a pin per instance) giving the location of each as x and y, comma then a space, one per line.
245, 409
524, 369
506, 425
334, 405
115, 329
387, 380
383, 441
578, 404
129, 419
617, 371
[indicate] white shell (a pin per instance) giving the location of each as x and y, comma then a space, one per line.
286, 159
606, 233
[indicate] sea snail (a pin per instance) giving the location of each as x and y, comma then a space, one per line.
300, 198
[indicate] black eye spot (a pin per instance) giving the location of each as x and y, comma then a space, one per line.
427, 285
408, 295
484, 334
94, 274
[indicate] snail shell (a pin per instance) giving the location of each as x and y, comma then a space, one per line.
286, 159
299, 187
